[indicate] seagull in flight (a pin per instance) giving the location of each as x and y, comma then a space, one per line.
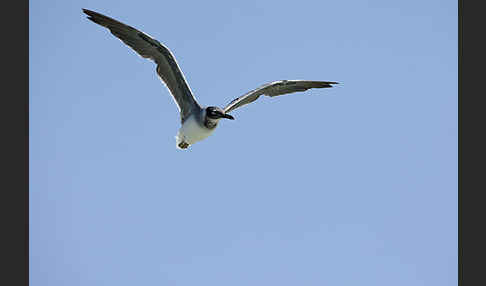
197, 122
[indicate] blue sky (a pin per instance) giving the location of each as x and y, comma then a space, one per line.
354, 185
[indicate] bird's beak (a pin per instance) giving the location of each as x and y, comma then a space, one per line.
228, 116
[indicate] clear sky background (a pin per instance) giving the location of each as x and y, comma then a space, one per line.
353, 185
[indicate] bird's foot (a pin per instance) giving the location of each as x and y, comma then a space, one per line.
183, 145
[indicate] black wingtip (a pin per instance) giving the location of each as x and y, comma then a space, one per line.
328, 84
86, 11
92, 16
89, 13
93, 20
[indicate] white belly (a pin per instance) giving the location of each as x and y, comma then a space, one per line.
191, 132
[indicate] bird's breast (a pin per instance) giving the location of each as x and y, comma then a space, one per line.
192, 131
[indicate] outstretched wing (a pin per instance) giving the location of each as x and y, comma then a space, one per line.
148, 47
274, 89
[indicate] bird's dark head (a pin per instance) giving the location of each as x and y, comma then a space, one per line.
215, 112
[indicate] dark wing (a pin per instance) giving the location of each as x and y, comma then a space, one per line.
148, 47
274, 89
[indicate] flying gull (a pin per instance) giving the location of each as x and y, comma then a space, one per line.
197, 122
